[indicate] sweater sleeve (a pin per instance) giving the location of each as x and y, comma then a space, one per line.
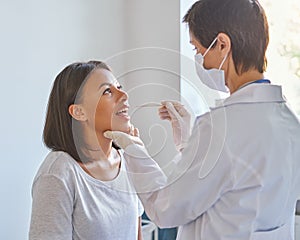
52, 206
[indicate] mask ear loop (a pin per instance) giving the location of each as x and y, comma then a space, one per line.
223, 61
210, 46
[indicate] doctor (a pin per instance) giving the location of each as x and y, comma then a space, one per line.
237, 176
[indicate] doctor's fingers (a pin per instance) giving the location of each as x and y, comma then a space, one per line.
181, 110
177, 105
164, 113
133, 131
165, 116
136, 132
174, 114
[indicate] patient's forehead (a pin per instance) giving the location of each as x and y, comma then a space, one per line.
99, 79
100, 75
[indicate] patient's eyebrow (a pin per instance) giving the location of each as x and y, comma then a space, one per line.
105, 84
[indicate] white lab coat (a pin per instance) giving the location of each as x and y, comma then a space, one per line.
239, 176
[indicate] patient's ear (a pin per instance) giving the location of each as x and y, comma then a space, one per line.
77, 112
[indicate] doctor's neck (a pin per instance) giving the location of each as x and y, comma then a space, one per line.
235, 81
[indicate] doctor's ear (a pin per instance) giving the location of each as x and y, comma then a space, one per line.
224, 43
77, 112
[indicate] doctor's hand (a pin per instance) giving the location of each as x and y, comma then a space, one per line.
122, 139
181, 122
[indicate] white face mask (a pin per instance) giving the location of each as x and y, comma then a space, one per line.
213, 78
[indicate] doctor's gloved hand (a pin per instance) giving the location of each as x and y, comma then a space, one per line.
181, 122
122, 139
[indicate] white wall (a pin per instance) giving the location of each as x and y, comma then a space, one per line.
153, 68
39, 38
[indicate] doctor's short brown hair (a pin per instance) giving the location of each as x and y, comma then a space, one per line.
244, 21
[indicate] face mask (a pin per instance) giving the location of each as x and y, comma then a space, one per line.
213, 78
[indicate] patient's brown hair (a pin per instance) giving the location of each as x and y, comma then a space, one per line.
57, 134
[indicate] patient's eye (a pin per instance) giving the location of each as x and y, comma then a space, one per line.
107, 91
119, 87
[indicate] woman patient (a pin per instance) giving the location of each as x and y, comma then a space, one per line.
81, 190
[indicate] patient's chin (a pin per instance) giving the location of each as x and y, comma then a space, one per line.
123, 128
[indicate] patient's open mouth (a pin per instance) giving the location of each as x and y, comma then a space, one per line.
123, 113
